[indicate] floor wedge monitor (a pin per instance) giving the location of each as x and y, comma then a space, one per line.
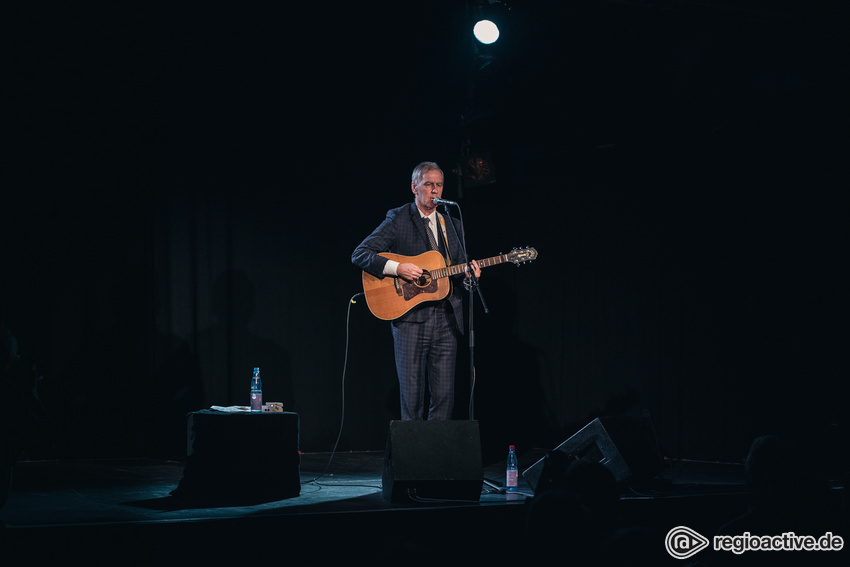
625, 446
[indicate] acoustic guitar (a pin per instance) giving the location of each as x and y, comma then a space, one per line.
391, 297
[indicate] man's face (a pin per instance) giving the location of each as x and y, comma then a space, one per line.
428, 189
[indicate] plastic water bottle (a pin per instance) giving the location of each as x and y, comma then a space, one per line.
512, 471
256, 392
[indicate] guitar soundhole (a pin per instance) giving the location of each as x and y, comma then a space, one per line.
423, 284
424, 280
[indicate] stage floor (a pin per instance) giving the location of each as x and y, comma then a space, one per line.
122, 512
82, 492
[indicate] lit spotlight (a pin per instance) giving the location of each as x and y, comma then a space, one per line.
486, 32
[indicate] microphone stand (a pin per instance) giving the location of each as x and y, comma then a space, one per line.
472, 285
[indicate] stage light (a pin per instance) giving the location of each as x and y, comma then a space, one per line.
486, 32
476, 169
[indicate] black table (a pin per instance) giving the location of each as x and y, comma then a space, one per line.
241, 456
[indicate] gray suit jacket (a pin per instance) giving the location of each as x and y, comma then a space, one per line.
403, 232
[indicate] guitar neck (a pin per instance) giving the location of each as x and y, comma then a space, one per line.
459, 268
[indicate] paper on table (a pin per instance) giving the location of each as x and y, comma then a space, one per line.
231, 408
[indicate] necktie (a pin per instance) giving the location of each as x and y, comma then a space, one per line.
430, 232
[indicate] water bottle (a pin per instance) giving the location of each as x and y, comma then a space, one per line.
256, 392
513, 470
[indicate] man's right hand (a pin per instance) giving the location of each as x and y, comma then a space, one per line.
409, 272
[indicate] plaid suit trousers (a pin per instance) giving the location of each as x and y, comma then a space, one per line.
425, 356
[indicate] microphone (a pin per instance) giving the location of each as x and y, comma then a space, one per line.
444, 202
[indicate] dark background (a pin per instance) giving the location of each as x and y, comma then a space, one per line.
186, 184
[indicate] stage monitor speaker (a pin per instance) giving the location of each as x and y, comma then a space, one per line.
625, 446
439, 460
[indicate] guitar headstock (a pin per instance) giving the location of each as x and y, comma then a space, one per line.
521, 255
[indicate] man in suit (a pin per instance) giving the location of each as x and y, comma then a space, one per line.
426, 337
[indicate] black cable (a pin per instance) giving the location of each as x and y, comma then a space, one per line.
344, 368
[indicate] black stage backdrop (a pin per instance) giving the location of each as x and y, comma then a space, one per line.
187, 184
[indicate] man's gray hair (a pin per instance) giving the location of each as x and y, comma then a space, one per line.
420, 170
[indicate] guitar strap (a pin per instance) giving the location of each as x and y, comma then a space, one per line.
448, 256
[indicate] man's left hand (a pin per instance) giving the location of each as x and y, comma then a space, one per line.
475, 269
